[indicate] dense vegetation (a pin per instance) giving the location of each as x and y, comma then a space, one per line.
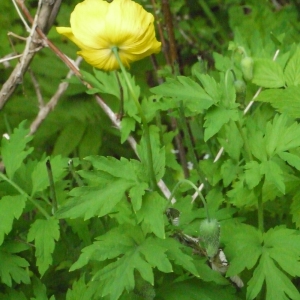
84, 214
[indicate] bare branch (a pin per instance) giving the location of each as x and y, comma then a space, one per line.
16, 76
46, 109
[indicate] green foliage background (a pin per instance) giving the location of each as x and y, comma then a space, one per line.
98, 230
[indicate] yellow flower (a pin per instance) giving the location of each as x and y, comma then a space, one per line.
97, 26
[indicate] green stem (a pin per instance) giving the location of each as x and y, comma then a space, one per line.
52, 186
245, 140
35, 203
196, 189
78, 180
187, 138
260, 210
143, 118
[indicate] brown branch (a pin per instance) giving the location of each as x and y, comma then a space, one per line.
170, 31
30, 49
46, 109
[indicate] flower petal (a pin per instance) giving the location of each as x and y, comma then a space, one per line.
87, 23
67, 32
102, 59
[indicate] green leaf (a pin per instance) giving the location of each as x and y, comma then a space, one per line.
152, 213
211, 87
284, 100
295, 209
127, 126
279, 285
79, 291
136, 193
282, 135
110, 245
273, 174
229, 171
292, 69
193, 289
216, 118
14, 150
178, 256
244, 246
253, 174
158, 154
69, 138
39, 290
291, 159
268, 74
11, 207
183, 88
39, 176
44, 233
119, 275
88, 202
13, 267
155, 255
13, 295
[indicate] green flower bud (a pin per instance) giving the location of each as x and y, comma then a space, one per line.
210, 236
240, 89
240, 86
247, 68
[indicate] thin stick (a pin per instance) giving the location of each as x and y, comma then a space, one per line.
46, 109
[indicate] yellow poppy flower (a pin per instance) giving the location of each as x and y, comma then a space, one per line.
97, 26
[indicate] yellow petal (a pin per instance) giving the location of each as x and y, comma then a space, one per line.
67, 32
87, 23
102, 59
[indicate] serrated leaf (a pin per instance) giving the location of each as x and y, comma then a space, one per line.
88, 202
252, 174
127, 126
268, 74
292, 69
136, 193
192, 289
279, 286
155, 255
282, 135
158, 154
119, 275
11, 207
44, 233
229, 171
284, 100
79, 291
183, 88
291, 159
13, 267
39, 290
14, 150
216, 118
273, 174
152, 213
110, 245
178, 256
244, 247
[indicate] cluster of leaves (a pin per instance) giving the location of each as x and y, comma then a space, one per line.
94, 228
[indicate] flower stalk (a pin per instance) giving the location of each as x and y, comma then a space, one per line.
153, 183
